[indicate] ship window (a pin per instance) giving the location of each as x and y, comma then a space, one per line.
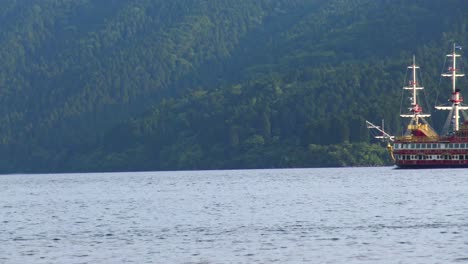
434, 145
418, 146
411, 146
457, 145
450, 146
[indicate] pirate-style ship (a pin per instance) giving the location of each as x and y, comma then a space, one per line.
420, 146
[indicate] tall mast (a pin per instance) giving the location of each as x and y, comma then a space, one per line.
455, 99
415, 111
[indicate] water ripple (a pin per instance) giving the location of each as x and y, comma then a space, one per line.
350, 215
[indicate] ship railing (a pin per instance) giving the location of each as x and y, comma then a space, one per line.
432, 139
456, 138
416, 139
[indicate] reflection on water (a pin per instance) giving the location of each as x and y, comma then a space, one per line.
350, 215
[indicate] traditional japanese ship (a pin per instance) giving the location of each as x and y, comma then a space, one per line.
421, 146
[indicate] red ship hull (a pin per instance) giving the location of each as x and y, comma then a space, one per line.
449, 153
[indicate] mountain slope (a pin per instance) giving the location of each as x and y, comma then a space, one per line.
130, 85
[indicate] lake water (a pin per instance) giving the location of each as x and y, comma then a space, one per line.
346, 215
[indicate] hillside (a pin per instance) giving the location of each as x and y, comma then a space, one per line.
151, 85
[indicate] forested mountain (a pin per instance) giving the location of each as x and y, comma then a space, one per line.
90, 85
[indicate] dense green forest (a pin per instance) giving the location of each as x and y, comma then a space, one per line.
114, 85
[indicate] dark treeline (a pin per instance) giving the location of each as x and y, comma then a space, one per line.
163, 85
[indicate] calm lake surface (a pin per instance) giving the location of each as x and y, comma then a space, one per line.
346, 215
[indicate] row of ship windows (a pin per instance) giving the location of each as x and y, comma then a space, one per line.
431, 157
431, 146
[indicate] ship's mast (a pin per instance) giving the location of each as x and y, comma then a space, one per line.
455, 99
415, 111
